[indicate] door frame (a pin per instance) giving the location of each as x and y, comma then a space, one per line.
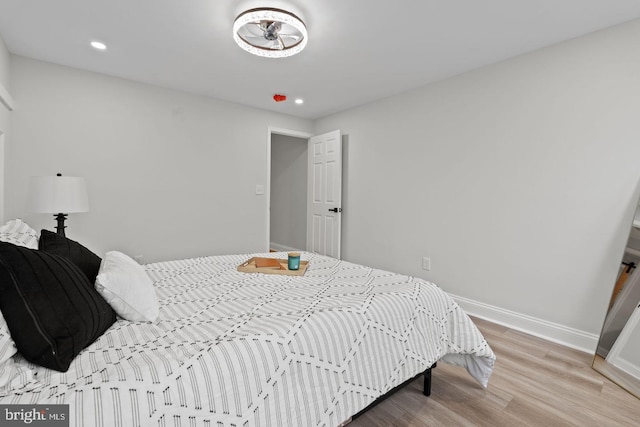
277, 131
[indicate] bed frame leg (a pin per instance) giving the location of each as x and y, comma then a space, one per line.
427, 381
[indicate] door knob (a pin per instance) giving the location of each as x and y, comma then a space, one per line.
336, 210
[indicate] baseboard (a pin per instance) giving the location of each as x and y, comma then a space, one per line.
628, 367
282, 248
550, 331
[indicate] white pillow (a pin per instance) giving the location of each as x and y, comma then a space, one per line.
7, 346
19, 233
124, 284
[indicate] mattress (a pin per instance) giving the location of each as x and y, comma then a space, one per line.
238, 349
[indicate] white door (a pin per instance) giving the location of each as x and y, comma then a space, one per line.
324, 194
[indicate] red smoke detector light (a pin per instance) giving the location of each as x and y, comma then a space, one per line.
279, 98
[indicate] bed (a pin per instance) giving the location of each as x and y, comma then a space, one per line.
237, 349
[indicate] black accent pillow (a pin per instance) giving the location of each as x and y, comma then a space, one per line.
51, 308
56, 244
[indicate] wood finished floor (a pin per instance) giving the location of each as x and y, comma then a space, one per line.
535, 383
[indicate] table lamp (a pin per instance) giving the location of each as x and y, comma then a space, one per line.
59, 195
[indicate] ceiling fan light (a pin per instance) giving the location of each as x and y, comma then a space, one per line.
272, 45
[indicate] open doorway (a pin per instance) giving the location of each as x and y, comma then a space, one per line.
288, 225
292, 181
288, 191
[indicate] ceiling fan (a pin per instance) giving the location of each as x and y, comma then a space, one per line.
273, 33
270, 36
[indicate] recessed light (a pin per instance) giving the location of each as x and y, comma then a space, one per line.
299, 101
98, 45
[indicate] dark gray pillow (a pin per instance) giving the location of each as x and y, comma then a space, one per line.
56, 244
51, 308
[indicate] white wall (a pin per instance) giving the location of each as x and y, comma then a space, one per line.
4, 64
169, 174
288, 192
4, 120
519, 179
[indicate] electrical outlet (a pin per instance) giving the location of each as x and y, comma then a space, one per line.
426, 263
259, 190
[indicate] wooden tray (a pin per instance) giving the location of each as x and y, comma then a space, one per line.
249, 266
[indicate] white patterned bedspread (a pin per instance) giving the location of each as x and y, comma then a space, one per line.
238, 349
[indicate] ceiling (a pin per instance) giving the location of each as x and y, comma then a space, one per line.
359, 50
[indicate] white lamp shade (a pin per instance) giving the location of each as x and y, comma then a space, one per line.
57, 194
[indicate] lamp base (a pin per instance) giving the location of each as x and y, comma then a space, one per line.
60, 227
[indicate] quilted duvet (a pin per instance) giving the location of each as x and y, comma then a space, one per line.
238, 349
